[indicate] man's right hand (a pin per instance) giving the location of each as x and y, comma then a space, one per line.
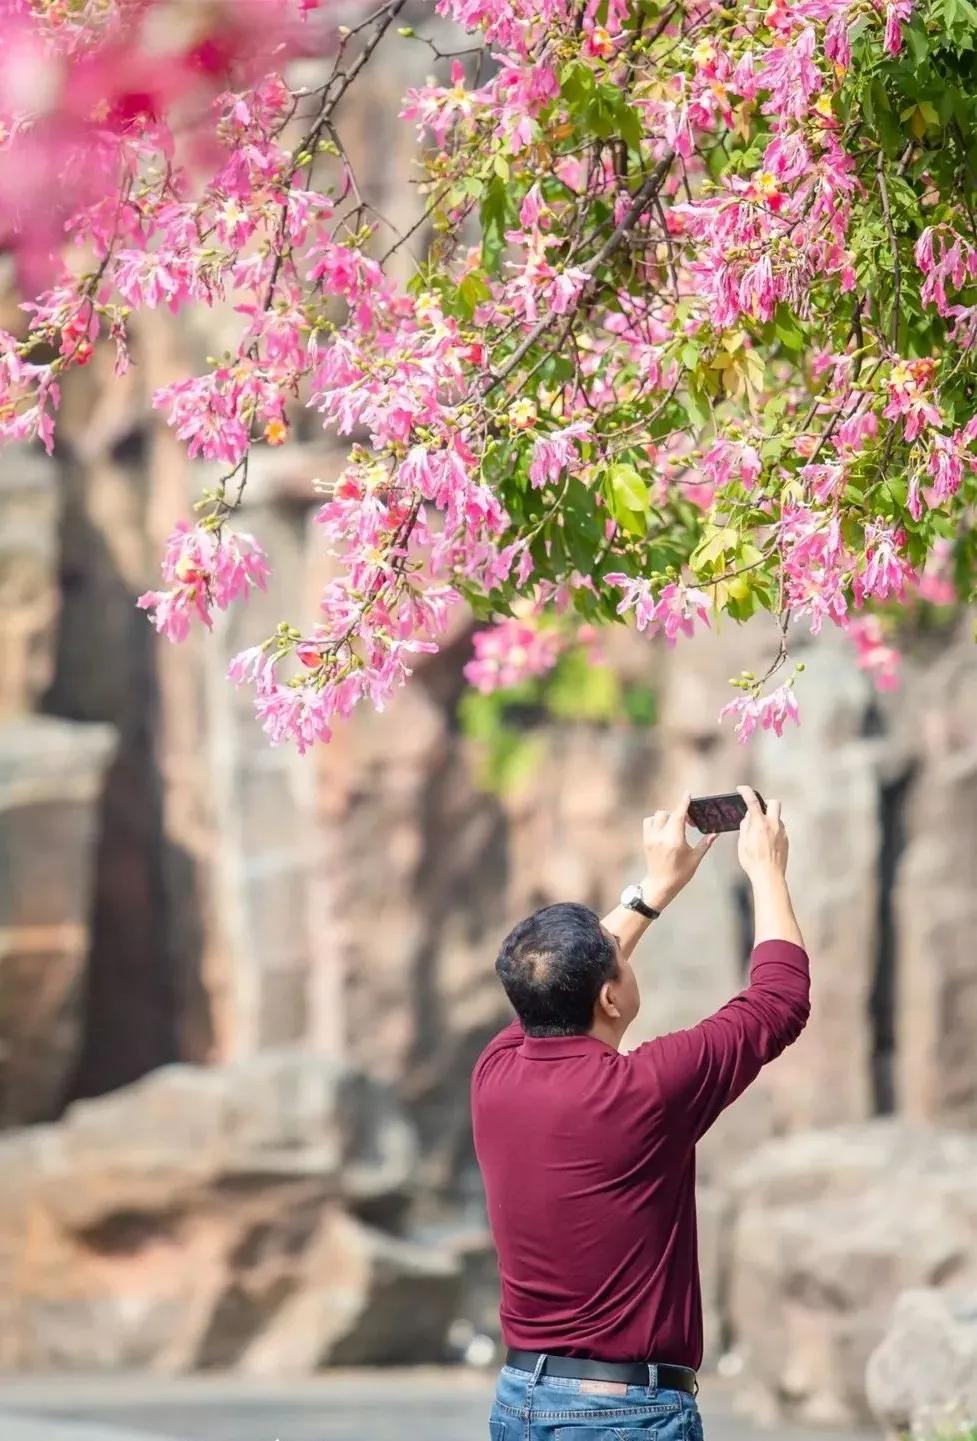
670, 860
763, 841
763, 855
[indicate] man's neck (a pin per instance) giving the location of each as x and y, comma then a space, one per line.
603, 1030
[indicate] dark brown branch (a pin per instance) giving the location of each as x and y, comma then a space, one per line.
643, 198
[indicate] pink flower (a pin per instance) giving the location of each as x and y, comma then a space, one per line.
566, 288
510, 652
787, 156
532, 209
769, 712
837, 45
554, 452
788, 72
301, 714
673, 612
936, 583
728, 460
879, 660
887, 571
946, 461
825, 481
945, 258
213, 413
853, 433
936, 589
817, 565
909, 383
203, 570
896, 11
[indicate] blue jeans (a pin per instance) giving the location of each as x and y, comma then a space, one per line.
553, 1408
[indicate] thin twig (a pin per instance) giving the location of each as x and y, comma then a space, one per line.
896, 268
642, 200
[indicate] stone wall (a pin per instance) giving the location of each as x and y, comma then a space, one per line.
205, 898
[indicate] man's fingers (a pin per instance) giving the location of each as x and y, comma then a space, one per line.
680, 815
656, 820
773, 812
752, 802
704, 846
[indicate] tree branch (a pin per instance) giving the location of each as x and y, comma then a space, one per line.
639, 205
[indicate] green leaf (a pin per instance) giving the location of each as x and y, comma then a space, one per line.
697, 406
629, 126
917, 42
627, 486
627, 498
497, 209
717, 542
472, 291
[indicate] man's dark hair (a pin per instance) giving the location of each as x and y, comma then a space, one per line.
553, 965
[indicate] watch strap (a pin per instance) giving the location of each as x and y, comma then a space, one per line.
637, 903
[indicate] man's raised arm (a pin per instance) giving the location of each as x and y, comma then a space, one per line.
670, 863
703, 1069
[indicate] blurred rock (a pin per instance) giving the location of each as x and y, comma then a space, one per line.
826, 779
926, 1367
168, 1223
361, 1298
51, 777
846, 1160
29, 593
830, 1228
714, 1217
936, 907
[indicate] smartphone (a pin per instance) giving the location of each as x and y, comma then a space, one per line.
713, 814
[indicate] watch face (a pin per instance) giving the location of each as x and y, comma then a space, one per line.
630, 895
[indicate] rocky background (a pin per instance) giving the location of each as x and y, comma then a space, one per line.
241, 992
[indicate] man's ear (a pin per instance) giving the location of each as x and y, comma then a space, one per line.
606, 1003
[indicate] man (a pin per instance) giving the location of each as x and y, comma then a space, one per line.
588, 1154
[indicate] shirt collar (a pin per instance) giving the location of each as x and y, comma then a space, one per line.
554, 1048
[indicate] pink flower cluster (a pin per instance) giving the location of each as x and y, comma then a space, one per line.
768, 712
204, 569
674, 611
509, 652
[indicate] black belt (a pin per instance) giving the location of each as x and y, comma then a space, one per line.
632, 1373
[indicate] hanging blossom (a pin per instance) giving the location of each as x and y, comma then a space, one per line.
769, 712
203, 570
553, 453
910, 397
878, 659
674, 611
887, 572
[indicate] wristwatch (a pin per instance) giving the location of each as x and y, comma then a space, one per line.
632, 898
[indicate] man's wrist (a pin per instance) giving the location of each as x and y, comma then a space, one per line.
767, 877
656, 894
768, 881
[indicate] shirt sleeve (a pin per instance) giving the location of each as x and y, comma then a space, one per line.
703, 1069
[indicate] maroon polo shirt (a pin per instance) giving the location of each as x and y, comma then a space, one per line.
588, 1160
